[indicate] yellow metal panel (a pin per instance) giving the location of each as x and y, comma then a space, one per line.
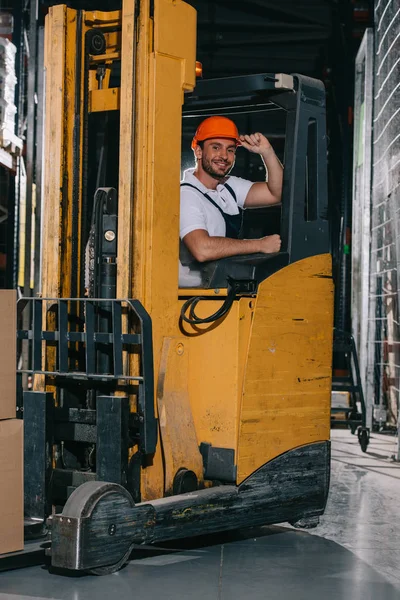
59, 169
152, 481
287, 386
180, 444
189, 292
53, 144
149, 217
126, 150
100, 18
217, 357
175, 36
22, 222
101, 100
101, 58
156, 267
60, 32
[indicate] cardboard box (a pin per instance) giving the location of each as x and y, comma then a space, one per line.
340, 399
11, 487
8, 353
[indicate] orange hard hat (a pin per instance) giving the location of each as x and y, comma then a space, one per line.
216, 127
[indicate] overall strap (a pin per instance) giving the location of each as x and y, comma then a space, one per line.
206, 196
233, 223
232, 193
228, 187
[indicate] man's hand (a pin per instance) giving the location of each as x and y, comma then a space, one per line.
255, 142
204, 247
270, 244
270, 192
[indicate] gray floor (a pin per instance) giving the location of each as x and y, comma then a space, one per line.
353, 554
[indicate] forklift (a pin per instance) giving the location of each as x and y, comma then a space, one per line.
159, 412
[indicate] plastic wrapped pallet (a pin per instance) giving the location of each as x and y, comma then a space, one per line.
7, 115
7, 90
8, 82
7, 55
6, 23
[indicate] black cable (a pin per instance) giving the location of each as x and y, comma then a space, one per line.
191, 304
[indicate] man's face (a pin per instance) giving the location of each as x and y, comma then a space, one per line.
217, 157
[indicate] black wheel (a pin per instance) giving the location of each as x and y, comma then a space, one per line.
363, 438
97, 500
96, 42
110, 569
185, 481
353, 417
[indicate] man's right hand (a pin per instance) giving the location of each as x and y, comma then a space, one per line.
204, 247
270, 244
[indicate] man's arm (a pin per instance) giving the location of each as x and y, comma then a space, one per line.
270, 192
204, 247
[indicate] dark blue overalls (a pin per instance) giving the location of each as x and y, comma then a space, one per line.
233, 223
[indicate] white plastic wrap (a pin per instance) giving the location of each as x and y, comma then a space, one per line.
7, 86
7, 55
7, 115
7, 91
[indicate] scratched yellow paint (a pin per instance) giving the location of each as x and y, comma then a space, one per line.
179, 440
158, 50
215, 371
148, 233
287, 383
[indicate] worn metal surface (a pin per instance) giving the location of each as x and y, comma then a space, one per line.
38, 407
62, 334
164, 68
112, 439
178, 432
219, 463
353, 553
97, 527
99, 522
287, 381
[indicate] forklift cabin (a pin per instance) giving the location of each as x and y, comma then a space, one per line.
159, 413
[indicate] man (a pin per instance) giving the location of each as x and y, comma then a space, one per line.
212, 201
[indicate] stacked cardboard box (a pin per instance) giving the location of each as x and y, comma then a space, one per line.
11, 433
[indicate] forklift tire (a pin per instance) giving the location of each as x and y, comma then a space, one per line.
363, 438
110, 569
185, 481
89, 496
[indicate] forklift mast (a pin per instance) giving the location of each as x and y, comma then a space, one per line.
161, 412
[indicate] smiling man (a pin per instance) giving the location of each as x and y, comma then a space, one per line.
212, 201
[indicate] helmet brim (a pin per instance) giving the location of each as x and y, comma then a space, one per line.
195, 141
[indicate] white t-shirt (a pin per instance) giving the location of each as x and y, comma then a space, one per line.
196, 212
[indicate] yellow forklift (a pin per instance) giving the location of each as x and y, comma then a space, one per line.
160, 412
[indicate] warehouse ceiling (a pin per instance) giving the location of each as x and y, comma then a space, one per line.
249, 36
239, 37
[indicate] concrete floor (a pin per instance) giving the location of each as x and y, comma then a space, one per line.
353, 554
